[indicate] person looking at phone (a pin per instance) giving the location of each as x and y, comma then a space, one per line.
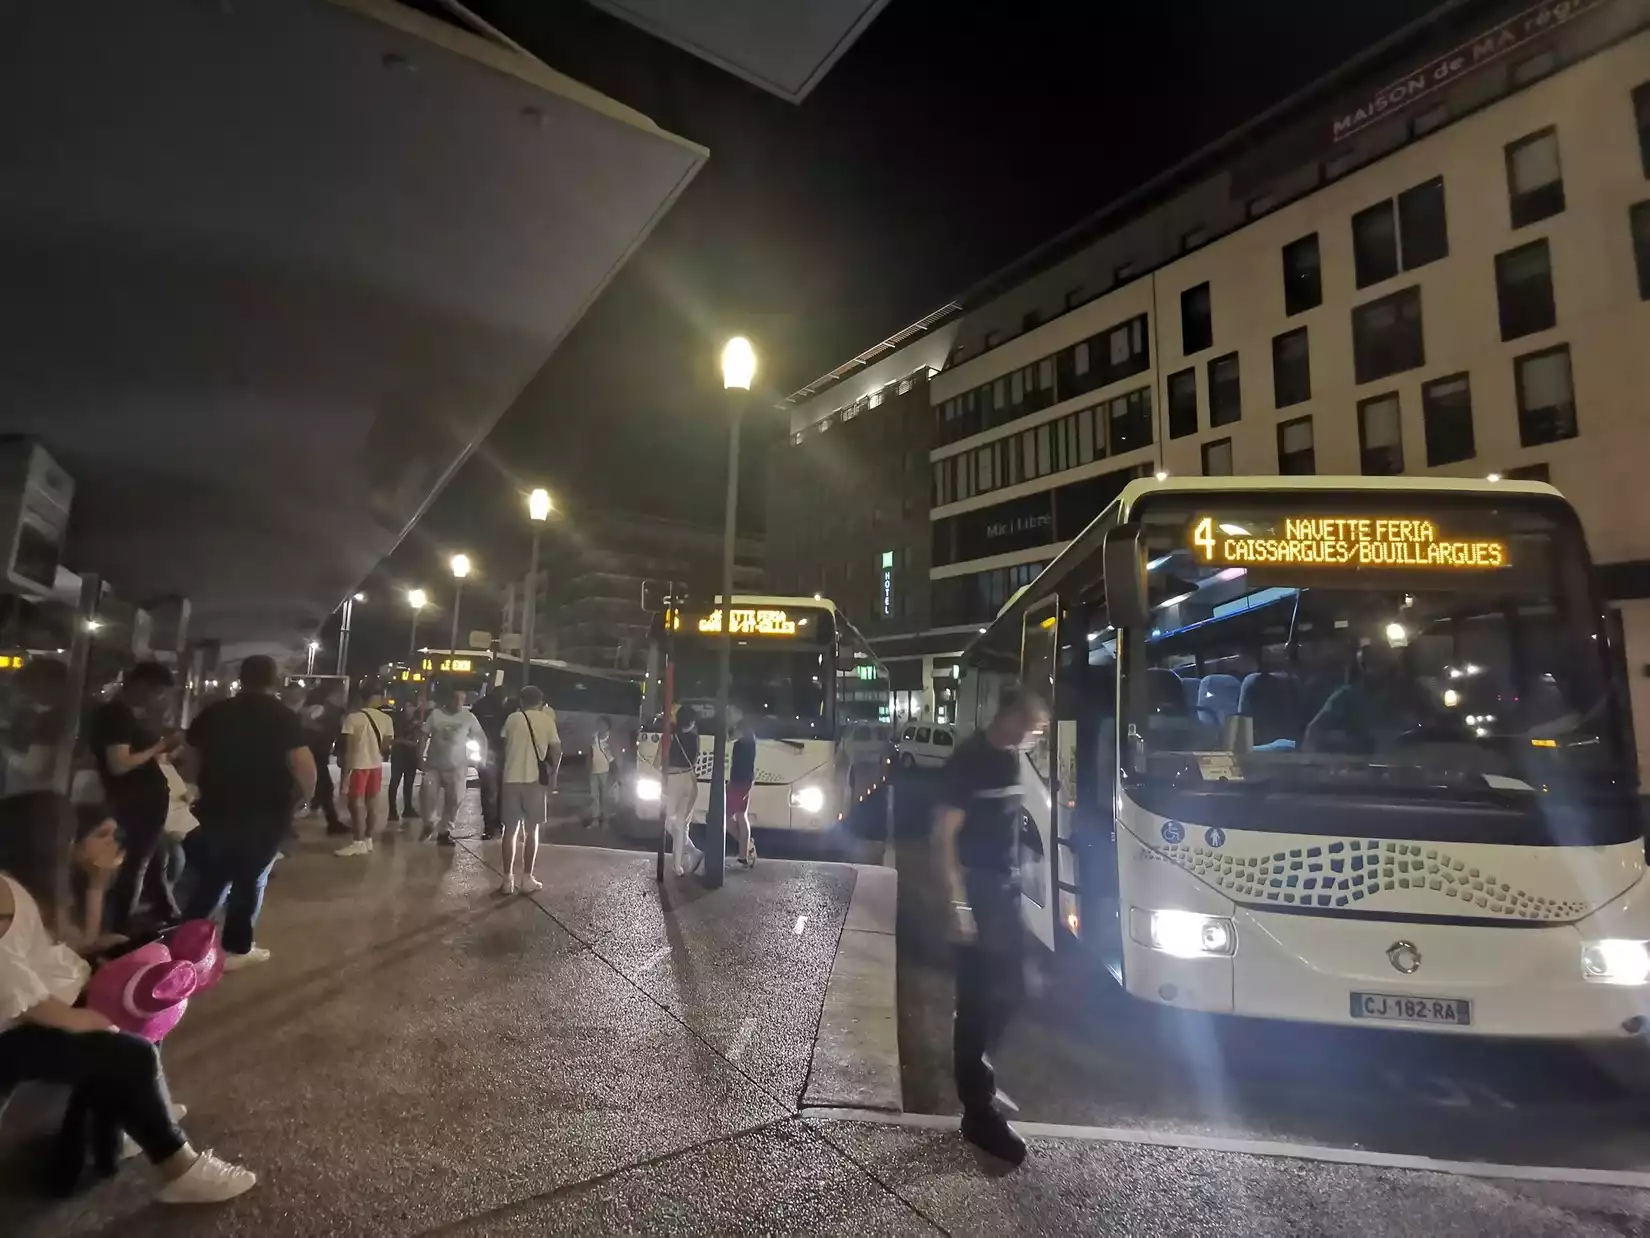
45, 1035
127, 739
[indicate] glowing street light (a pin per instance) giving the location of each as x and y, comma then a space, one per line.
539, 507
738, 371
460, 565
417, 599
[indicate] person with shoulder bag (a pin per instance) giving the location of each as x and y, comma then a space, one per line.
367, 735
532, 755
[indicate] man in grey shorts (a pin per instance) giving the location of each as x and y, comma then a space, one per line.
532, 755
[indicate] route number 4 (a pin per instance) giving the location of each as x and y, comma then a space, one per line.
1204, 537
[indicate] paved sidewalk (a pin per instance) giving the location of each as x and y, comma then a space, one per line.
422, 1056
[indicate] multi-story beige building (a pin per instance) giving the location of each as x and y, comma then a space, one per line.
1447, 274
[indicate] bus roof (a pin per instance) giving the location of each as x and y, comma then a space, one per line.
1088, 542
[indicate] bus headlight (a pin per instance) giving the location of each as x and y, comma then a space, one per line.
1184, 934
1616, 960
648, 790
808, 799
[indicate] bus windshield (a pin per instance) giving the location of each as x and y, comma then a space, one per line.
1350, 643
782, 690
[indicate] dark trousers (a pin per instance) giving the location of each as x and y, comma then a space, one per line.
488, 775
325, 796
403, 770
231, 872
990, 984
112, 1073
145, 874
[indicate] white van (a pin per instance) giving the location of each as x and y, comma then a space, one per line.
926, 744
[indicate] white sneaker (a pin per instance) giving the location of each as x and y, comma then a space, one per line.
508, 886
254, 956
531, 884
361, 846
129, 1146
208, 1181
691, 860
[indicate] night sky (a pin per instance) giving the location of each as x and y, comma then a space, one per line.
947, 142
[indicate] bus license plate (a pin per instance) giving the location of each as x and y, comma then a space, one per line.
1395, 1009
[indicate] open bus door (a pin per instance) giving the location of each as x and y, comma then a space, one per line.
1039, 776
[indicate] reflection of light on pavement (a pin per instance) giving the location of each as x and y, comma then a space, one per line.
801, 923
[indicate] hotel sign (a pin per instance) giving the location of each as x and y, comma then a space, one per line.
1484, 48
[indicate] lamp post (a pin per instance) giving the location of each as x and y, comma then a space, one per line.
738, 369
539, 508
314, 648
461, 568
343, 630
417, 599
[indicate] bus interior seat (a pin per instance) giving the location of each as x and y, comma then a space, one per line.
1271, 702
1191, 685
1217, 698
1171, 722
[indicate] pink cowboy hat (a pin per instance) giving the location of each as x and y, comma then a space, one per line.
197, 942
144, 992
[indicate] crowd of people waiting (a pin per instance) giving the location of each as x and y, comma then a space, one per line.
188, 829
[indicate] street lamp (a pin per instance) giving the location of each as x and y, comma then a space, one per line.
539, 508
314, 648
738, 369
461, 568
417, 599
344, 627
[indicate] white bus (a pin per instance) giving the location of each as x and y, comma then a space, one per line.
805, 678
1338, 750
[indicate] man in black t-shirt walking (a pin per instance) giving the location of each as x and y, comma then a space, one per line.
977, 832
254, 766
127, 743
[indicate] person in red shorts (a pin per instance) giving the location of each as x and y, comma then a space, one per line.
367, 733
741, 776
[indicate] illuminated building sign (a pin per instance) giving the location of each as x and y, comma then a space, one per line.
1343, 541
752, 622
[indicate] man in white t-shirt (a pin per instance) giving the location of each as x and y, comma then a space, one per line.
451, 730
601, 771
367, 734
531, 746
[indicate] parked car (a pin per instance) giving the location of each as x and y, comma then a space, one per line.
926, 744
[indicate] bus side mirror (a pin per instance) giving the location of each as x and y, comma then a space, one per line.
1125, 564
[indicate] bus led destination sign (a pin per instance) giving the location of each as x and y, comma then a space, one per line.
752, 622
1343, 541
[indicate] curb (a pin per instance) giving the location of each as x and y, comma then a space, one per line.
856, 1052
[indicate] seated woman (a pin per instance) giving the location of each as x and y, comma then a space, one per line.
44, 1036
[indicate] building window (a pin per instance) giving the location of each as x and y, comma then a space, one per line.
1183, 403
1295, 453
1217, 458
1302, 275
1387, 337
1374, 244
1197, 330
1425, 122
1225, 390
1639, 221
1546, 398
1446, 410
1535, 182
1524, 290
1380, 437
1130, 418
1641, 113
1423, 224
1400, 235
1291, 368
1114, 354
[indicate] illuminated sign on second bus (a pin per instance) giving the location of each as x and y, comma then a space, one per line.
1345, 541
753, 622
